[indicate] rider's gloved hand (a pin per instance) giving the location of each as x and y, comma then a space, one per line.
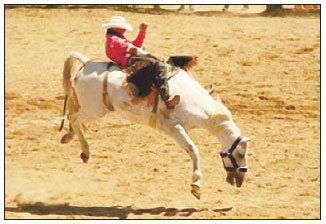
142, 27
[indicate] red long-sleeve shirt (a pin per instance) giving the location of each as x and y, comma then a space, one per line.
116, 48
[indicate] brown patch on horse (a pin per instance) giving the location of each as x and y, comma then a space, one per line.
151, 98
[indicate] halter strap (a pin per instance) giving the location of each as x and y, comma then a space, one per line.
229, 154
235, 144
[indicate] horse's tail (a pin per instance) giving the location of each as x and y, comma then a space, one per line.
82, 58
68, 70
64, 113
70, 93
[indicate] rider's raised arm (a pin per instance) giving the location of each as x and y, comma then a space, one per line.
138, 42
141, 35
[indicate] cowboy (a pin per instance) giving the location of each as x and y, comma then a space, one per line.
125, 53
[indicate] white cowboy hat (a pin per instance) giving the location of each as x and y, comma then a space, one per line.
118, 22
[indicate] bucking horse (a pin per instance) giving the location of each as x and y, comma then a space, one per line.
94, 88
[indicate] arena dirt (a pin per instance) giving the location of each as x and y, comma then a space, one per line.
266, 70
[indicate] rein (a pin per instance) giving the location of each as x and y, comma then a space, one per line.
174, 71
229, 154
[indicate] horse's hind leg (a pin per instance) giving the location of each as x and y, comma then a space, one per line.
76, 125
73, 107
181, 136
67, 137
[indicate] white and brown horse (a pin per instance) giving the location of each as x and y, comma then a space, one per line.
93, 89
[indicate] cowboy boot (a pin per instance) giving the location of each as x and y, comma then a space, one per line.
163, 87
170, 101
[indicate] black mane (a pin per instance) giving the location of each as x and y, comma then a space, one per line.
143, 79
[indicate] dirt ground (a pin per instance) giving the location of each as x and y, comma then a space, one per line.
266, 71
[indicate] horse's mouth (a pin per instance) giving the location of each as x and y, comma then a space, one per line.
234, 177
239, 180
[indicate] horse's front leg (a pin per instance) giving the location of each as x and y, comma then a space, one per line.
181, 136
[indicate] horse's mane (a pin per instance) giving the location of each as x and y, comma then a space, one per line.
143, 79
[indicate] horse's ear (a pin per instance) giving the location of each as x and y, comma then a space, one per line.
243, 145
248, 139
244, 142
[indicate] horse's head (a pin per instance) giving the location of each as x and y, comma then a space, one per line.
235, 161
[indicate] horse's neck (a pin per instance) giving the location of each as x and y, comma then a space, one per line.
228, 132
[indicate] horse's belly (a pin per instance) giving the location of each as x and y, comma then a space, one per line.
134, 117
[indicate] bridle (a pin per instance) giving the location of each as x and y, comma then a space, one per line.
229, 154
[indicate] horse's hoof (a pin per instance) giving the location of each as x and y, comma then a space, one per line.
84, 157
195, 190
65, 139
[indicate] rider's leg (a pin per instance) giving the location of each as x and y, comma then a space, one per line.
163, 87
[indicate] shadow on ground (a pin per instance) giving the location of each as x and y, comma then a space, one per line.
121, 212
